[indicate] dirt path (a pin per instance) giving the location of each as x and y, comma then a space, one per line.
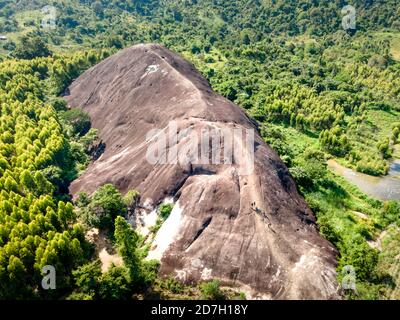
104, 249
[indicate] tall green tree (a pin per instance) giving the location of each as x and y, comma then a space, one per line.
30, 47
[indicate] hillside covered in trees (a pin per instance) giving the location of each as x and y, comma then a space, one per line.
317, 91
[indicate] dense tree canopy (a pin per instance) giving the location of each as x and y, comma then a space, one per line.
37, 228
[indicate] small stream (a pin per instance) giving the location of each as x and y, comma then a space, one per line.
383, 188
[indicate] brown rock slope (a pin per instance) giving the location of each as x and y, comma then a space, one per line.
270, 249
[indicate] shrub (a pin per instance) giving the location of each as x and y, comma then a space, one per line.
102, 208
309, 173
89, 218
372, 167
30, 47
115, 284
396, 134
77, 120
242, 296
384, 148
131, 199
87, 278
149, 270
211, 290
328, 231
59, 104
9, 46
391, 212
173, 285
57, 177
83, 200
88, 139
301, 176
80, 296
357, 253
165, 210
107, 204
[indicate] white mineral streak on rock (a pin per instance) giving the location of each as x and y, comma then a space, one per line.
206, 274
150, 69
144, 221
167, 234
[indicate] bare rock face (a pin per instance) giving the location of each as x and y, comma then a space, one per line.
245, 225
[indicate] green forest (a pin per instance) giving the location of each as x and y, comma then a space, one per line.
318, 93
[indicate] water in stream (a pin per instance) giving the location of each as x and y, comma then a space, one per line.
384, 188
